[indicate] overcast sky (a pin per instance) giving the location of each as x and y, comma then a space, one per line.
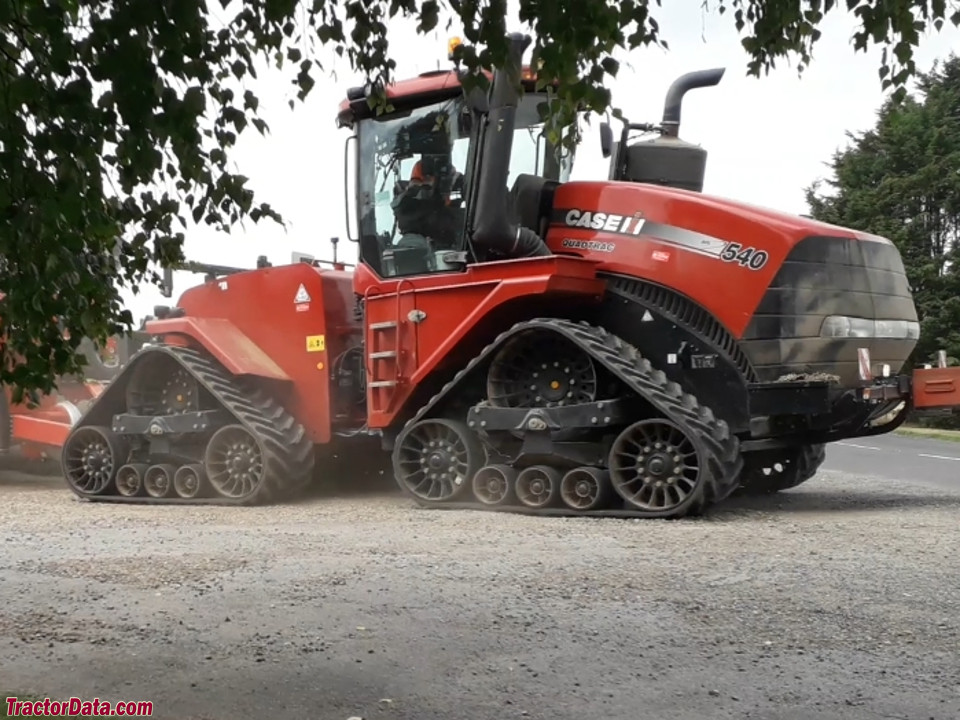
767, 137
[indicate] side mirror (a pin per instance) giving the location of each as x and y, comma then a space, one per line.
606, 139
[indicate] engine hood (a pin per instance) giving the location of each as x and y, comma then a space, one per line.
707, 213
721, 253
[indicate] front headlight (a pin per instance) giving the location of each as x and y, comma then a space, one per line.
853, 327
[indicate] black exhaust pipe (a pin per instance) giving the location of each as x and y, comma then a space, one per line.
492, 230
674, 98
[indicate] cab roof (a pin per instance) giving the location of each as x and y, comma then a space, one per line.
425, 89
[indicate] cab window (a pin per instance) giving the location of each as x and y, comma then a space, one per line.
413, 181
412, 188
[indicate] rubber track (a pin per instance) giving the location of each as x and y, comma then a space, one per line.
808, 462
288, 452
636, 372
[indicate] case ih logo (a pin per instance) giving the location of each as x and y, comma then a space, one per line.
746, 256
607, 222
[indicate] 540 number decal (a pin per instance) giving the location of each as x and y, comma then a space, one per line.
747, 257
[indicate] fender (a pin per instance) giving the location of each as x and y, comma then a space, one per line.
222, 339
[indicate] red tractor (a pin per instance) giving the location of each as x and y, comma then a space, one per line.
517, 341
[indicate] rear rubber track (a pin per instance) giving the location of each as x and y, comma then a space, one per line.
288, 454
723, 464
804, 462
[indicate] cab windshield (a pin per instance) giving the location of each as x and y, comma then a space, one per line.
414, 179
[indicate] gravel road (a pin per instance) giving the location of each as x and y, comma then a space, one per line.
839, 599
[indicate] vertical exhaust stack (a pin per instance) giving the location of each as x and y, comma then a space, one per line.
674, 99
668, 160
492, 230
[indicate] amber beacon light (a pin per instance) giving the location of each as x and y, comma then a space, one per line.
452, 44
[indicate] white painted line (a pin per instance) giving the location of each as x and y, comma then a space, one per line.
939, 457
862, 447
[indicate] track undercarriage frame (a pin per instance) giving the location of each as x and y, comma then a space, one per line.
563, 418
177, 427
553, 417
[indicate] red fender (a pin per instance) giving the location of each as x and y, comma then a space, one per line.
222, 339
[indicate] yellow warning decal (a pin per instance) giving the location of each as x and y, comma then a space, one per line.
316, 343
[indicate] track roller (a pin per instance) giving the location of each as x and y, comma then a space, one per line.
495, 485
189, 480
435, 459
655, 466
586, 488
158, 480
538, 486
91, 457
130, 479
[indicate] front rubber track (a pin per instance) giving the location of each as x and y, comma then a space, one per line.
288, 453
722, 449
805, 462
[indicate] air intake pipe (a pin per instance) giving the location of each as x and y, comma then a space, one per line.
679, 88
492, 230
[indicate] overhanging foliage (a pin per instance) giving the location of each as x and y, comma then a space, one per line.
117, 118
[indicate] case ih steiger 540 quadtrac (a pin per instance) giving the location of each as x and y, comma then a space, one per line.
517, 341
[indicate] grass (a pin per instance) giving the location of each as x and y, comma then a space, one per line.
932, 433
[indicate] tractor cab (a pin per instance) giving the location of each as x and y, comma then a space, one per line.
437, 184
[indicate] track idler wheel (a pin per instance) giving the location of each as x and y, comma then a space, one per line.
158, 480
91, 457
130, 479
495, 485
435, 459
538, 486
189, 480
234, 462
586, 488
656, 467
